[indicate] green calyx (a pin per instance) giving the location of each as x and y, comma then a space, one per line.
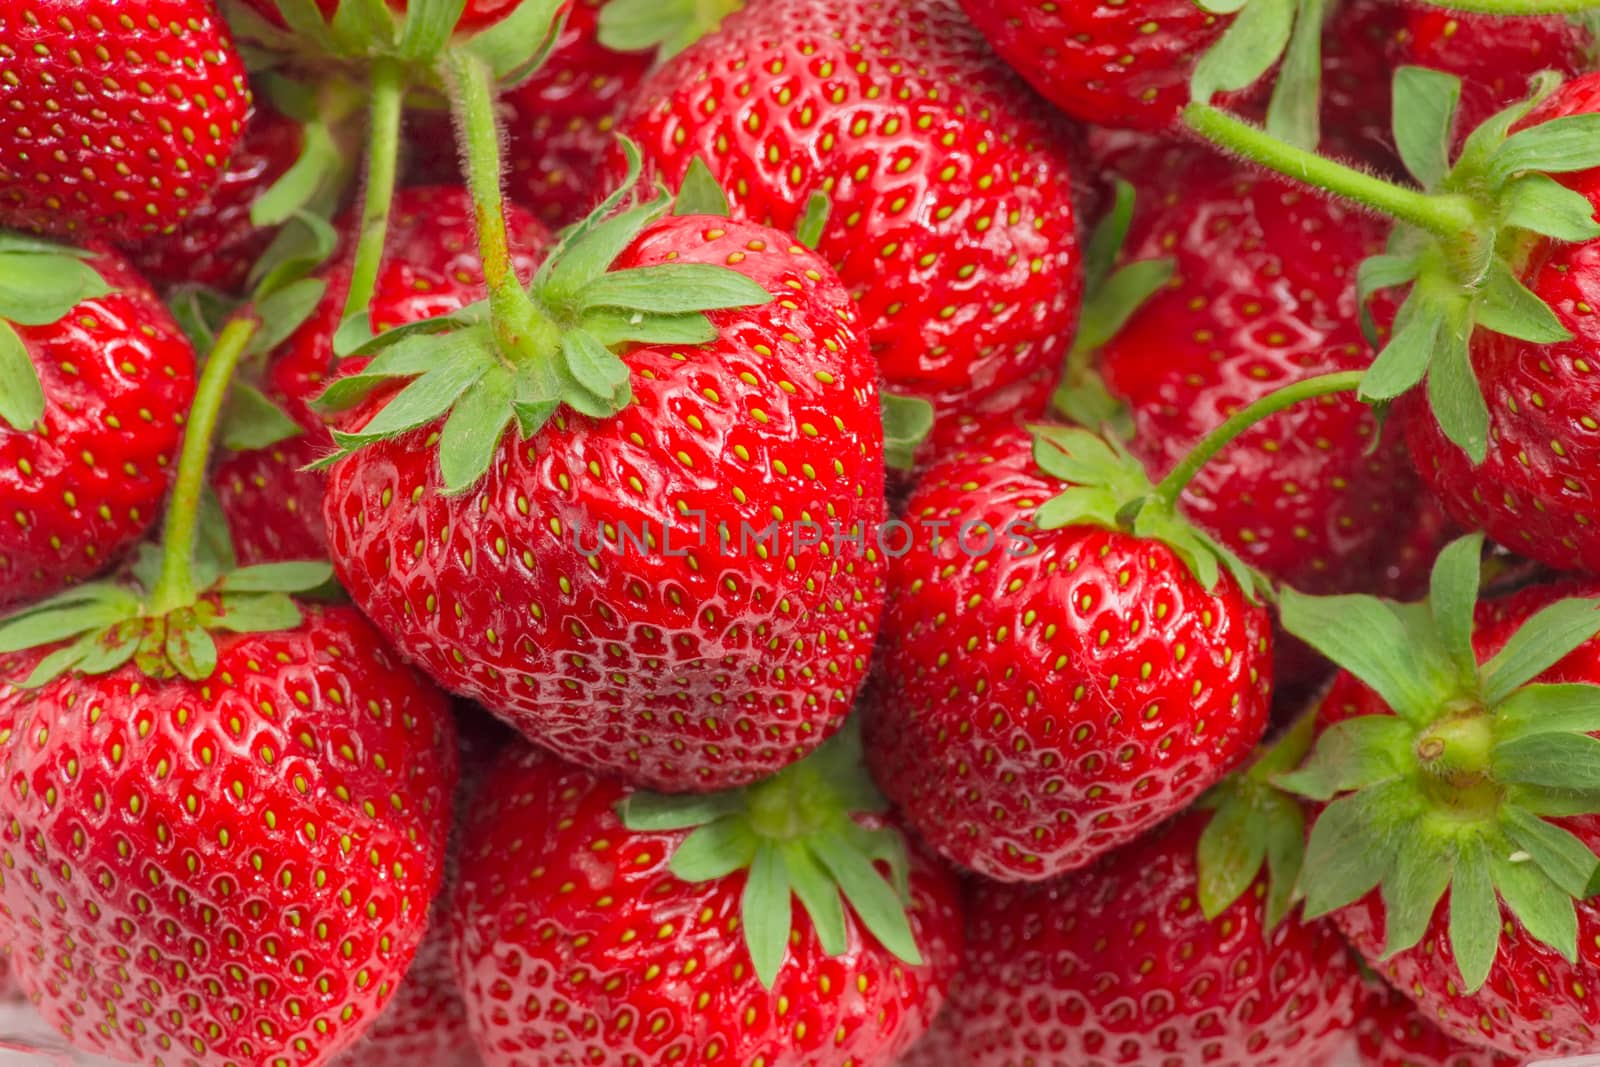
795, 836
1456, 790
40, 282
665, 26
1263, 33
907, 422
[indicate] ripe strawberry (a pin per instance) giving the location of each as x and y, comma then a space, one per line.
1054, 688
664, 947
116, 120
636, 592
84, 481
1460, 737
476, 15
217, 244
951, 218
1394, 1033
272, 503
233, 870
1121, 965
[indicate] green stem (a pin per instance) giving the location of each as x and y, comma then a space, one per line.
1173, 485
175, 588
1516, 7
1450, 217
383, 157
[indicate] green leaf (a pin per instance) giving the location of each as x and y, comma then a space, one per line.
1548, 709
254, 422
473, 432
200, 313
700, 193
1453, 391
1452, 598
429, 26
1411, 893
1424, 118
285, 311
1352, 754
1404, 360
38, 290
819, 895
1088, 403
21, 395
256, 613
1569, 143
658, 813
874, 900
813, 220
907, 421
1293, 113
519, 44
355, 334
291, 577
1490, 134
668, 26
1079, 506
302, 245
1232, 849
1540, 643
1542, 205
592, 364
1286, 850
1569, 762
1106, 241
1543, 909
191, 650
319, 162
1349, 850
424, 400
213, 548
674, 288
1564, 859
767, 913
715, 850
622, 327
575, 267
1508, 307
1109, 308
1251, 44
364, 26
1474, 915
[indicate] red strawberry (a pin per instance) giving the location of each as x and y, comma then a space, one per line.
1395, 1034
605, 584
431, 267
1359, 55
235, 870
477, 13
116, 120
217, 245
580, 938
1050, 694
951, 218
84, 482
1460, 738
1120, 965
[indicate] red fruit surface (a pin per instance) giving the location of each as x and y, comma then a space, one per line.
477, 15
1535, 1003
694, 663
1393, 1033
1535, 493
430, 267
1042, 707
116, 119
950, 183
1118, 965
87, 483
217, 244
234, 871
561, 905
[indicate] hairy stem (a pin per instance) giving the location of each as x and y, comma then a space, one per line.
383, 158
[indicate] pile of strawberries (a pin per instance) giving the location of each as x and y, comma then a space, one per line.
801, 533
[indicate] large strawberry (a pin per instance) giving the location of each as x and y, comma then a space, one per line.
94, 380
951, 219
1393, 1033
115, 121
1456, 765
1179, 950
1056, 684
791, 927
272, 503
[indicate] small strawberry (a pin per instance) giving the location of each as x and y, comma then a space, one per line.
1178, 951
116, 120
94, 379
951, 216
781, 924
1393, 1033
1055, 685
1459, 737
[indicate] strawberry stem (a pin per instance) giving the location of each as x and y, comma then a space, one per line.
175, 588
1173, 485
383, 155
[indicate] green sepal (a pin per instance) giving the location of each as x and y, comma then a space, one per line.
667, 26
428, 397
200, 313
1558, 146
472, 433
1422, 128
284, 312
302, 245
1295, 110
1351, 848
38, 288
1474, 915
1567, 762
1089, 403
429, 25
1542, 205
699, 193
813, 220
574, 267
1544, 709
1539, 644
520, 43
907, 422
407, 356
766, 912
253, 421
1507, 306
1110, 306
1412, 891
21, 393
1352, 755
1249, 47
364, 27
613, 327
320, 164
1452, 597
673, 289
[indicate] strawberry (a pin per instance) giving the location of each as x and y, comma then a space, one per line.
628, 939
1458, 736
230, 870
145, 105
1056, 685
94, 379
273, 505
1394, 1033
951, 218
1133, 962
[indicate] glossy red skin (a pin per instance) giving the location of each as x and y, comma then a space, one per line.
1393, 1033
165, 934
430, 267
113, 162
691, 665
477, 15
1358, 61
118, 378
1119, 966
1535, 1004
217, 245
986, 343
1023, 754
561, 905
1535, 493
